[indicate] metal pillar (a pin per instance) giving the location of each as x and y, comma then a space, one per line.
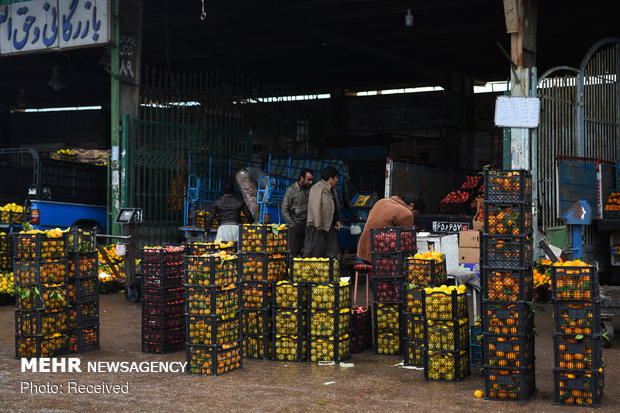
113, 200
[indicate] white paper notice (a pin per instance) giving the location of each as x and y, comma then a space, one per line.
517, 112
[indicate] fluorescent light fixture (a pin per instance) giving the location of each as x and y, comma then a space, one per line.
63, 109
400, 91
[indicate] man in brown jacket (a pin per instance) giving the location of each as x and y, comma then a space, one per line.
321, 240
395, 211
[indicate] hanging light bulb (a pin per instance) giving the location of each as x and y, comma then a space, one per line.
409, 18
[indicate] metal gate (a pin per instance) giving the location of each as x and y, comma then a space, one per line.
178, 115
580, 112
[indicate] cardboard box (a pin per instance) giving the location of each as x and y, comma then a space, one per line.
478, 226
469, 255
469, 239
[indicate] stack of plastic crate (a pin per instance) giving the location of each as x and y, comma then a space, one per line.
83, 290
163, 321
507, 293
41, 275
329, 321
446, 333
6, 263
290, 340
323, 275
390, 247
213, 328
263, 261
421, 272
577, 343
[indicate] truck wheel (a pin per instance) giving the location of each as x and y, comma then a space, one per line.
132, 294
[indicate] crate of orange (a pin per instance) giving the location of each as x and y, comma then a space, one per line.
290, 348
51, 345
217, 301
256, 294
263, 267
263, 238
574, 280
289, 321
427, 269
580, 352
507, 285
413, 352
446, 365
256, 322
213, 361
83, 265
84, 339
258, 347
414, 327
612, 206
579, 387
514, 384
513, 252
82, 290
290, 295
508, 219
447, 335
40, 322
334, 348
512, 351
84, 314
35, 244
37, 272
43, 297
218, 269
508, 186
211, 331
507, 318
413, 300
577, 317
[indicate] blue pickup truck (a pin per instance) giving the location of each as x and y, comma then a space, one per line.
55, 193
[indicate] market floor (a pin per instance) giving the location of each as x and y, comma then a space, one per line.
374, 384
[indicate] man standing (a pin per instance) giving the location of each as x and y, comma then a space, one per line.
295, 210
323, 221
395, 211
228, 207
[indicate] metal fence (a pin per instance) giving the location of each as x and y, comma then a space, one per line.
579, 118
179, 115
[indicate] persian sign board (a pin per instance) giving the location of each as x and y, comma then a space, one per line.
517, 112
40, 25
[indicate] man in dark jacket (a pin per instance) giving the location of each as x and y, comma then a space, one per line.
295, 210
323, 220
228, 207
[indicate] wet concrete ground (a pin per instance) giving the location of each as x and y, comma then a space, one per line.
374, 384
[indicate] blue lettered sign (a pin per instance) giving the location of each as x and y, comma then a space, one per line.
39, 25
